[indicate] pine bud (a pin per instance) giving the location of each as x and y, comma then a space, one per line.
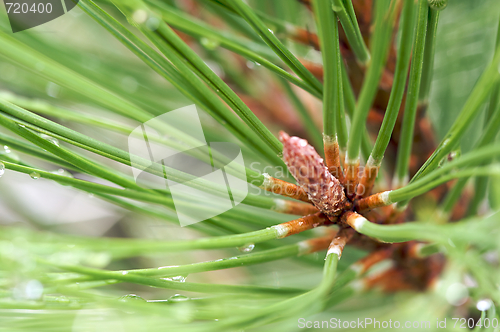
307, 167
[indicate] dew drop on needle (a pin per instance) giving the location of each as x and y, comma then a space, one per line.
247, 247
209, 44
178, 298
177, 278
51, 139
131, 297
35, 175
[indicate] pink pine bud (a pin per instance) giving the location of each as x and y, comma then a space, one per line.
307, 167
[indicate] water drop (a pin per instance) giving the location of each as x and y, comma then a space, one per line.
31, 290
35, 175
2, 169
176, 278
140, 16
247, 248
52, 89
63, 172
131, 297
50, 139
153, 23
34, 290
250, 64
6, 150
178, 298
457, 294
209, 44
167, 267
484, 305
124, 272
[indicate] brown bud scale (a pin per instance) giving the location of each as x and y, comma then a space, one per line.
284, 188
338, 243
302, 224
365, 186
318, 243
352, 178
372, 202
332, 158
297, 208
